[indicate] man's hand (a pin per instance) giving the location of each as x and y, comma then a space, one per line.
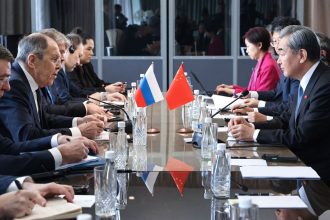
92, 145
51, 190
237, 121
253, 103
116, 97
91, 129
89, 118
95, 109
19, 203
115, 87
242, 132
74, 151
256, 117
242, 110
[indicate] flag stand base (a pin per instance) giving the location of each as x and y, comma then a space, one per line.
153, 131
184, 131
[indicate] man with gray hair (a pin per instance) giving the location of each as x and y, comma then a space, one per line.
305, 130
37, 64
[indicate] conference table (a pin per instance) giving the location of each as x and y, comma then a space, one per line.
196, 201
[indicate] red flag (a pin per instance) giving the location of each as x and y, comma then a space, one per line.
179, 92
179, 172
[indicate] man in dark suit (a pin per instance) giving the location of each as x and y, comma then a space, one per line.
306, 131
16, 202
36, 66
48, 152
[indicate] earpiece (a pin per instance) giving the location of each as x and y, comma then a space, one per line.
71, 49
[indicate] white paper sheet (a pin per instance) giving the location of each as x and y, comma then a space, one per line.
278, 201
279, 172
104, 136
229, 116
222, 129
187, 140
85, 201
248, 162
221, 101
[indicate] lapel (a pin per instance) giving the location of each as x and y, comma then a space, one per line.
29, 93
306, 96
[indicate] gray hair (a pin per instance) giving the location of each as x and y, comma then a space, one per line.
57, 36
301, 37
5, 54
35, 43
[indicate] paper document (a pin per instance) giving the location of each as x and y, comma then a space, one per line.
265, 202
279, 172
104, 136
87, 160
248, 162
229, 116
221, 101
187, 140
222, 129
85, 201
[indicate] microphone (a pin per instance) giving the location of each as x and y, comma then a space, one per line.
242, 187
113, 106
244, 93
208, 93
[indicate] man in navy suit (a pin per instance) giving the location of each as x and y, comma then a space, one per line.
305, 132
48, 152
36, 66
16, 202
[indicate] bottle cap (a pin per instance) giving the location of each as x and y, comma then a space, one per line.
244, 202
110, 154
121, 124
133, 84
221, 146
84, 217
129, 95
185, 73
196, 92
141, 75
208, 120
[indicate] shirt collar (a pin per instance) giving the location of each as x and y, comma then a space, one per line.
33, 85
304, 81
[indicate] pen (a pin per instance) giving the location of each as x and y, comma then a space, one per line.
18, 184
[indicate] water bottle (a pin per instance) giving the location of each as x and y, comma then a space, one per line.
207, 140
110, 180
133, 89
219, 209
245, 210
220, 181
140, 128
122, 146
202, 116
195, 111
140, 79
122, 179
206, 179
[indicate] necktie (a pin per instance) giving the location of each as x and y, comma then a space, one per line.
39, 100
300, 94
49, 94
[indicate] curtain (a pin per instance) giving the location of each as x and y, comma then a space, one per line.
15, 17
316, 15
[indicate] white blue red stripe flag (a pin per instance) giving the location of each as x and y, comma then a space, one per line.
150, 177
148, 91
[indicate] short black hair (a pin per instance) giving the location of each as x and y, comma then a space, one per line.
5, 54
84, 36
258, 35
281, 22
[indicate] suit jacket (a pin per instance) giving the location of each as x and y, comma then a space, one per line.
27, 163
264, 77
279, 99
64, 91
19, 118
307, 136
71, 109
5, 181
85, 77
7, 146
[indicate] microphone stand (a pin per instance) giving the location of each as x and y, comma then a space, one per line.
152, 130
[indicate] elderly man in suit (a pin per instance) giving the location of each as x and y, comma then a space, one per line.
48, 152
305, 130
36, 66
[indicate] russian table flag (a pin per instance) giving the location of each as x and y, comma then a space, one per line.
148, 92
150, 177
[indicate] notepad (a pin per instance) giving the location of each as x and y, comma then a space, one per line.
56, 208
222, 129
221, 101
229, 116
248, 162
278, 172
89, 159
269, 202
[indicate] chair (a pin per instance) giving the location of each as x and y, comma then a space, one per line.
115, 37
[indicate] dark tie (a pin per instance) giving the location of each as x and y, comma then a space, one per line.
300, 94
49, 94
39, 100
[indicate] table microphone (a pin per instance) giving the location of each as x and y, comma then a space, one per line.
244, 93
242, 187
112, 105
